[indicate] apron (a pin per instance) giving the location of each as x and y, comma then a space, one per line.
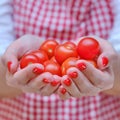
62, 20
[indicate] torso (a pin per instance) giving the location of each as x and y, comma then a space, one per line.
61, 20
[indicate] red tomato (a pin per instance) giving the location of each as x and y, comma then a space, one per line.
28, 59
70, 62
70, 44
52, 67
37, 56
88, 48
64, 51
42, 56
49, 46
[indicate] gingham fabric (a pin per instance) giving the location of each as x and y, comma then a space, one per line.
62, 20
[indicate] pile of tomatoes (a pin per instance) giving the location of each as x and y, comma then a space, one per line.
57, 58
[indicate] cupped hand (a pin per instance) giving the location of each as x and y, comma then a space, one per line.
87, 80
18, 48
30, 78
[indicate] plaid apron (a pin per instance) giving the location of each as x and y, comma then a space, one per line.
62, 20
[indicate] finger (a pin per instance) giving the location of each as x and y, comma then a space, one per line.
101, 79
63, 94
52, 87
106, 59
81, 81
11, 62
37, 83
23, 76
70, 86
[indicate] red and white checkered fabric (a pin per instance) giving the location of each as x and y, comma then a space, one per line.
62, 20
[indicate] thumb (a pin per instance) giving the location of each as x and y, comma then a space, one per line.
106, 59
103, 61
108, 54
11, 62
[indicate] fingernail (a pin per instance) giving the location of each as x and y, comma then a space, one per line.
104, 61
81, 66
46, 80
55, 82
63, 90
73, 74
37, 70
67, 82
9, 65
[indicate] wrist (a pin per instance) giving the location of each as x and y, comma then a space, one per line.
115, 90
5, 90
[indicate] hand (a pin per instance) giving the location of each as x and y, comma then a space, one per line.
87, 80
5, 90
31, 78
18, 48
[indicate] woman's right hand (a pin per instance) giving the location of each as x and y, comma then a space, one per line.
29, 79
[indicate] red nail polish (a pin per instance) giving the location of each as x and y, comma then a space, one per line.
67, 82
9, 65
55, 82
81, 66
73, 75
37, 70
63, 90
46, 80
105, 61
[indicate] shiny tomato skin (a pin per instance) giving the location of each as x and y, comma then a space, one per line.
41, 55
49, 46
52, 67
64, 51
70, 44
28, 59
37, 56
88, 48
70, 62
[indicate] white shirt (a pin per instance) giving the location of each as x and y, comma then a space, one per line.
6, 25
115, 33
7, 29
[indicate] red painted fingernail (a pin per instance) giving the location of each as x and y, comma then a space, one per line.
55, 82
46, 80
63, 90
105, 61
9, 65
81, 66
67, 82
73, 74
37, 70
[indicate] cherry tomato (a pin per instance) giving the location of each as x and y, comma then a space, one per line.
52, 67
37, 56
70, 62
28, 59
42, 56
49, 46
70, 44
88, 48
64, 51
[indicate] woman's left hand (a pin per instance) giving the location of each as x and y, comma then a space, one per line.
87, 80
